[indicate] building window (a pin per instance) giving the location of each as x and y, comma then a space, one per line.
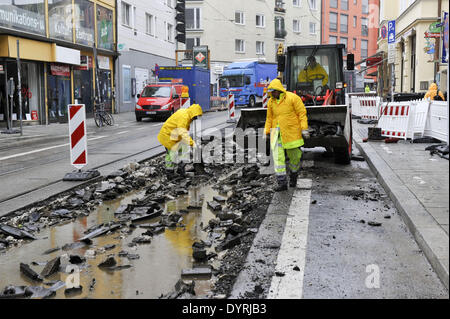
260, 21
364, 27
312, 28
296, 3
149, 24
239, 46
193, 16
355, 21
334, 4
126, 14
313, 4
192, 42
280, 31
364, 49
344, 42
365, 6
354, 43
169, 32
344, 4
239, 17
344, 23
260, 47
332, 39
296, 26
126, 76
333, 21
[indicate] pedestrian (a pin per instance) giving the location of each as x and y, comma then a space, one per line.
174, 136
367, 88
287, 124
433, 92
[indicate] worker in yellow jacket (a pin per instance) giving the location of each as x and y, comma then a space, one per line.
287, 124
313, 71
433, 92
174, 136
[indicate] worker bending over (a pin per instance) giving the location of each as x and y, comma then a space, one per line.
434, 94
174, 136
287, 125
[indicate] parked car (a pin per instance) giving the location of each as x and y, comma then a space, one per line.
158, 101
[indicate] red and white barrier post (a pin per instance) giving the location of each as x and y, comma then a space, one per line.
78, 143
231, 109
265, 99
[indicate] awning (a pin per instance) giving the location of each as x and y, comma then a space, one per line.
377, 55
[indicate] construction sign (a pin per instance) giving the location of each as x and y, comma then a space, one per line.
200, 56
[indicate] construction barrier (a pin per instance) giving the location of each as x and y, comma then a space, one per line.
437, 121
358, 102
265, 100
185, 103
231, 108
78, 136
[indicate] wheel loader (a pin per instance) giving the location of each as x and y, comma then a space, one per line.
329, 118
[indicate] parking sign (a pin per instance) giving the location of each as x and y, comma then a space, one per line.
391, 31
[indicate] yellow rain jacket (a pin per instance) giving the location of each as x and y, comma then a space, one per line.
310, 74
289, 113
176, 128
433, 91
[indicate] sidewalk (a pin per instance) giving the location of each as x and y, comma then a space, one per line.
418, 184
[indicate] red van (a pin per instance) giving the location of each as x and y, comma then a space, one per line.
158, 101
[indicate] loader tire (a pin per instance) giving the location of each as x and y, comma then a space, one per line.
342, 156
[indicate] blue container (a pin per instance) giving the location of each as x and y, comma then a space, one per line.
197, 79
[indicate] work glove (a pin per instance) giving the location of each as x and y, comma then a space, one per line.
305, 134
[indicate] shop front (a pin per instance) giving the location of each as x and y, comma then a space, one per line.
83, 84
59, 93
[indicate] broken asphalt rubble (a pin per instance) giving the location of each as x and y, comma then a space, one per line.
239, 210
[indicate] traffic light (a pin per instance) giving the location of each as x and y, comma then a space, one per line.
181, 21
280, 49
350, 62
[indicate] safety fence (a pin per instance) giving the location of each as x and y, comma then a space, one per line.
404, 120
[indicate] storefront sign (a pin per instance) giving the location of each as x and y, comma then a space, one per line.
84, 22
85, 63
34, 115
66, 55
58, 69
103, 62
60, 19
13, 17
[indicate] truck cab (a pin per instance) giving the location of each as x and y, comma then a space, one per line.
158, 101
246, 80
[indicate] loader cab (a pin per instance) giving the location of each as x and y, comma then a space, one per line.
315, 73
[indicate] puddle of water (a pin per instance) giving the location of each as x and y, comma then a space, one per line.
155, 273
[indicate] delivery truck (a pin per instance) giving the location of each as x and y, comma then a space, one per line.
246, 80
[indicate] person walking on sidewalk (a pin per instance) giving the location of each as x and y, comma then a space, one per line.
174, 136
287, 124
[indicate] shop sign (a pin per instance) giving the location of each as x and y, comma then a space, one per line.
103, 62
13, 17
445, 39
58, 69
85, 63
34, 115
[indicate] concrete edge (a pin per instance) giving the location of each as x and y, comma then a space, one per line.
411, 211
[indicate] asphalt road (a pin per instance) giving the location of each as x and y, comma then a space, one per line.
42, 158
337, 236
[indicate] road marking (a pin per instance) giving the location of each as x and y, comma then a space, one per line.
293, 246
44, 149
122, 132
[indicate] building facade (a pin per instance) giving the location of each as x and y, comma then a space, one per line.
146, 38
237, 30
353, 23
417, 56
55, 40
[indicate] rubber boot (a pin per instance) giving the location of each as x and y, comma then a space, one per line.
181, 169
282, 184
293, 180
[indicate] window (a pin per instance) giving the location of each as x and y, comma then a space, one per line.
260, 47
280, 31
344, 42
364, 27
355, 21
192, 42
260, 21
312, 28
296, 26
193, 16
126, 76
364, 48
126, 14
239, 46
296, 3
313, 4
149, 24
169, 32
365, 6
239, 17
333, 21
334, 4
332, 39
344, 23
344, 4
354, 43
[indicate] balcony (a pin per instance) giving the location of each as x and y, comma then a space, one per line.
280, 34
279, 6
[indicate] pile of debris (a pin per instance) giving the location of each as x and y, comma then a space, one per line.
441, 150
319, 129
